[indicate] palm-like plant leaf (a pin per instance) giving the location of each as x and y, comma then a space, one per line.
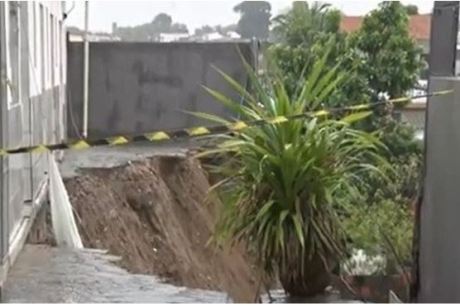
288, 179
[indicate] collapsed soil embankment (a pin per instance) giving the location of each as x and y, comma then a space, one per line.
155, 215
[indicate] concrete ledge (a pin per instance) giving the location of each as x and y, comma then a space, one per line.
18, 240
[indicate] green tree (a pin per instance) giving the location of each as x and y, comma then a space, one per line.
411, 9
391, 58
204, 30
162, 23
390, 62
303, 24
218, 28
380, 58
178, 28
301, 36
254, 20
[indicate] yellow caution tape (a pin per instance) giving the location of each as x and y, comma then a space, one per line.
200, 130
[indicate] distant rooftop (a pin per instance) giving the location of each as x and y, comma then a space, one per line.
419, 25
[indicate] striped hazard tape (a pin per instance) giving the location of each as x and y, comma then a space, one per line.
198, 131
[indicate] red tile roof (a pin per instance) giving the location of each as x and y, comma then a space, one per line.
350, 23
419, 25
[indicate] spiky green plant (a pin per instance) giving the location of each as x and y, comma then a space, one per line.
283, 183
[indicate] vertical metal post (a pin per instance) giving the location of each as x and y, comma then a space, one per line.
86, 72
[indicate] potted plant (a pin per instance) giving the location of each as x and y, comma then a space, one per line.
284, 182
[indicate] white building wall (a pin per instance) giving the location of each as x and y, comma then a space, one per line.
32, 101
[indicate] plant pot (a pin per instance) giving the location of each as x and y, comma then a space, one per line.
372, 288
313, 281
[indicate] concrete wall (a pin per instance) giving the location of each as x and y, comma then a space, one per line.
439, 261
142, 87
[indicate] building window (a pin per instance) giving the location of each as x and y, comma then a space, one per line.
34, 49
60, 46
35, 34
56, 43
13, 55
49, 46
41, 44
52, 43
46, 47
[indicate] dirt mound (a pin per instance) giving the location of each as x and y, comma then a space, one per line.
154, 214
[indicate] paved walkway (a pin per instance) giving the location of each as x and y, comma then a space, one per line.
43, 274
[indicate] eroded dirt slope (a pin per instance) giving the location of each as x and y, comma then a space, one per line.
153, 213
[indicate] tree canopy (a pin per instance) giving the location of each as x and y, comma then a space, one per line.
301, 35
392, 59
380, 58
303, 23
162, 23
411, 9
254, 20
218, 28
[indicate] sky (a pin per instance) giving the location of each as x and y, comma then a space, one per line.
192, 12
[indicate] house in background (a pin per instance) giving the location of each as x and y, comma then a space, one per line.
171, 37
32, 101
419, 28
76, 34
